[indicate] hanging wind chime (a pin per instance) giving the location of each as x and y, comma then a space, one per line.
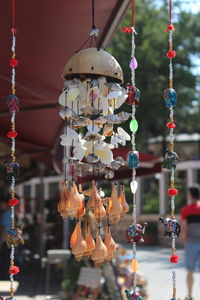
171, 225
92, 92
136, 231
14, 235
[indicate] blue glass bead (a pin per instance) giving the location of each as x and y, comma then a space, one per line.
133, 160
171, 160
170, 97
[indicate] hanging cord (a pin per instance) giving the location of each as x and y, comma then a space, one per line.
170, 11
94, 32
133, 13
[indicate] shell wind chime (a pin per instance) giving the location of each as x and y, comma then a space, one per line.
92, 93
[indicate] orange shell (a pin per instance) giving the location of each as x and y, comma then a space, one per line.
110, 245
100, 251
115, 206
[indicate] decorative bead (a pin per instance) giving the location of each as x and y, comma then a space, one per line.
171, 160
12, 134
135, 233
133, 63
14, 270
14, 237
127, 29
133, 186
13, 201
171, 227
14, 31
13, 103
133, 125
12, 169
131, 295
133, 95
174, 259
172, 192
133, 160
171, 54
134, 265
171, 125
170, 97
13, 62
170, 27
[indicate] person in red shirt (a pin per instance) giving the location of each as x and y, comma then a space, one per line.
190, 234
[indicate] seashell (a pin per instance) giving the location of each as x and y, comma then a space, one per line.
73, 161
81, 122
92, 137
100, 121
114, 94
83, 90
114, 208
122, 200
67, 113
124, 116
123, 133
91, 110
87, 167
105, 155
90, 243
99, 211
86, 83
78, 173
70, 83
94, 198
93, 128
72, 94
79, 151
99, 166
113, 119
63, 99
74, 201
113, 86
103, 86
100, 251
93, 94
115, 165
121, 160
109, 174
108, 130
110, 245
94, 83
66, 141
92, 158
120, 100
79, 245
62, 204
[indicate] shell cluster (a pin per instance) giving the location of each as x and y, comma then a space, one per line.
88, 107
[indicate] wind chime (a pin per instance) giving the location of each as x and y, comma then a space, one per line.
91, 95
14, 235
171, 225
136, 231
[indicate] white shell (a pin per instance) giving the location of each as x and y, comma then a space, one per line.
63, 99
66, 113
103, 86
120, 100
114, 94
93, 95
93, 128
72, 93
123, 133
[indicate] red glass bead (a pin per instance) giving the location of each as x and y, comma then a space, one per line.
171, 125
174, 259
172, 192
13, 201
171, 54
12, 134
14, 62
14, 270
127, 29
170, 27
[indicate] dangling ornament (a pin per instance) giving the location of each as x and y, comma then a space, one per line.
122, 200
110, 244
171, 225
114, 207
77, 243
100, 251
90, 243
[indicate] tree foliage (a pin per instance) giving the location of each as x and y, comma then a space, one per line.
152, 71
